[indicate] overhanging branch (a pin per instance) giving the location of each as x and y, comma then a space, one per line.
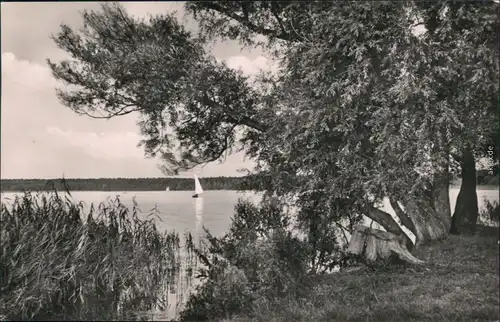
246, 22
234, 117
120, 112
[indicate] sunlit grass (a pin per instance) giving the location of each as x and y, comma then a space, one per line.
57, 262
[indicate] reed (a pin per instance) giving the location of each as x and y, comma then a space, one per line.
58, 262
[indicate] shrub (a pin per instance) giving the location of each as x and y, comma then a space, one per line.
490, 215
258, 258
57, 263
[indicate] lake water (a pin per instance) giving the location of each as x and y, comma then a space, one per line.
180, 212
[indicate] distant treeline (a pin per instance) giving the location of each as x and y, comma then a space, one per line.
121, 184
483, 177
159, 184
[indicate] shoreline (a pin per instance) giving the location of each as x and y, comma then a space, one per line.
479, 187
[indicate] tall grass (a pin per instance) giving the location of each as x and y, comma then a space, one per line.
58, 263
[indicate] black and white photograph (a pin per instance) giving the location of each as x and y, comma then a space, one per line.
237, 161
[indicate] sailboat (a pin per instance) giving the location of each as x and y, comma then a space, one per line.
198, 190
168, 189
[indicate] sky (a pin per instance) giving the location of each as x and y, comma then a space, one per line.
41, 138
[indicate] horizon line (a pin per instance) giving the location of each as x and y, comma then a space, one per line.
166, 177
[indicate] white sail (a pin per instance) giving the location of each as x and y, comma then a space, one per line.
168, 189
197, 186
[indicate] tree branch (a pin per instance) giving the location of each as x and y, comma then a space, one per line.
343, 230
275, 14
236, 119
405, 219
225, 147
303, 38
389, 224
120, 112
245, 22
456, 156
195, 163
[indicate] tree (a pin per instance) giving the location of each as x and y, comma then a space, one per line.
381, 59
356, 112
456, 32
159, 70
466, 34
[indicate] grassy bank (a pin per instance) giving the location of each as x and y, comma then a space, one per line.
459, 282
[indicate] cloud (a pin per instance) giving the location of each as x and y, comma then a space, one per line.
418, 30
28, 96
41, 138
32, 77
251, 67
104, 145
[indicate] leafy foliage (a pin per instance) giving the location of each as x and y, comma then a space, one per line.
368, 108
462, 43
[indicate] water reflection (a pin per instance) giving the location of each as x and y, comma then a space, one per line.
181, 283
198, 215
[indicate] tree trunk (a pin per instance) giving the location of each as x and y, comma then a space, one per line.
440, 187
466, 209
428, 224
429, 210
441, 195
